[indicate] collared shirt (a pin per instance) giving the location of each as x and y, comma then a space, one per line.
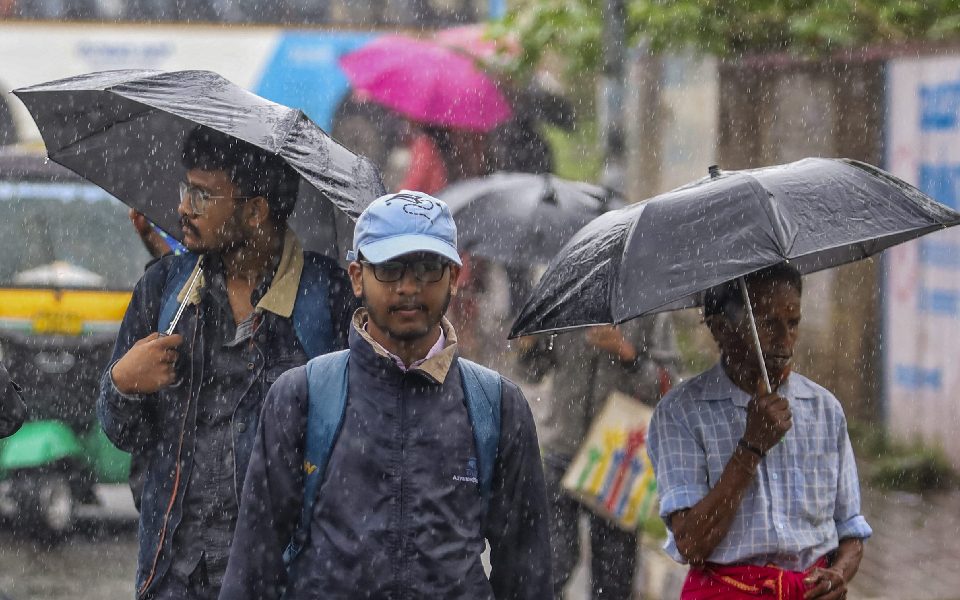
805, 496
276, 293
210, 501
433, 351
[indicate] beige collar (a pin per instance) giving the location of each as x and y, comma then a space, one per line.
282, 294
436, 367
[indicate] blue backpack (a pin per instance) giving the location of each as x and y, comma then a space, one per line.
311, 311
327, 400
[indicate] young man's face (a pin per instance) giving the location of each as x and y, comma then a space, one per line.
409, 308
776, 307
220, 226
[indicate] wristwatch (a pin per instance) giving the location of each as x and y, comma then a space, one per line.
750, 447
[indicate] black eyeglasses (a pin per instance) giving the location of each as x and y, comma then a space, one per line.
426, 271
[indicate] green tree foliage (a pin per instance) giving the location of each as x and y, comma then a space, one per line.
573, 29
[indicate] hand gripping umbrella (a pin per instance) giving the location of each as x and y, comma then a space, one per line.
124, 131
521, 218
663, 253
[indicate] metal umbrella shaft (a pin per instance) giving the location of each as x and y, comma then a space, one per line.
756, 334
186, 299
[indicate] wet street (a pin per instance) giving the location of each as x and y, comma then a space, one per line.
97, 562
912, 555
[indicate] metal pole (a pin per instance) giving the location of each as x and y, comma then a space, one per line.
612, 94
756, 335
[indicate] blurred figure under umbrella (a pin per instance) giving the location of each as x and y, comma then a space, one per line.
440, 156
585, 367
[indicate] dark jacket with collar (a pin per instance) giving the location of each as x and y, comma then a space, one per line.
13, 412
398, 515
159, 429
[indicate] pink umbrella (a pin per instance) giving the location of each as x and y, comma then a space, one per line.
473, 40
427, 83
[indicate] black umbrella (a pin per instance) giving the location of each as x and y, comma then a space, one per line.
521, 218
124, 131
661, 254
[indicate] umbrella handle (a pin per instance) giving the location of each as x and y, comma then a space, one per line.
756, 335
186, 300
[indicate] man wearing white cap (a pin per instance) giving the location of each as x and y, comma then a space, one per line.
381, 471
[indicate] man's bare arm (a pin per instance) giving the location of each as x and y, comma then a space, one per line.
831, 583
698, 530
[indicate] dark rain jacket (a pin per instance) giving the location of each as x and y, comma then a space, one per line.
398, 513
160, 429
13, 412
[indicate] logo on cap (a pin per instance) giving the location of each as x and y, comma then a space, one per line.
418, 206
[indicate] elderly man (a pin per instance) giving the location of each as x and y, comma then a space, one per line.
759, 491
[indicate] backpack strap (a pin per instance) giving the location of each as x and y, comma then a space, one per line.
326, 401
312, 318
482, 389
180, 269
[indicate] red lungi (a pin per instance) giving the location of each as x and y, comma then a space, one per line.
743, 582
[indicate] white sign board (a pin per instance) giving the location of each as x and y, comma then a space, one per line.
921, 290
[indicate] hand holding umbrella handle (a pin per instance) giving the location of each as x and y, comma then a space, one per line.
756, 336
180, 309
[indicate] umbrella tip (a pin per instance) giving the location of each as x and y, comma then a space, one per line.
714, 171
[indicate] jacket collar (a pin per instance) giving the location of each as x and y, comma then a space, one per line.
436, 367
282, 293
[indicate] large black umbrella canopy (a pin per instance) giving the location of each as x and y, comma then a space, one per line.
521, 218
661, 254
125, 131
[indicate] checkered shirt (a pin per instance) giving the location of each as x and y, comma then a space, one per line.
805, 496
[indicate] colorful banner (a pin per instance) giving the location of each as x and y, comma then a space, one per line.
612, 473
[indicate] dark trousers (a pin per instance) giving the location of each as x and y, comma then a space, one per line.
195, 587
613, 551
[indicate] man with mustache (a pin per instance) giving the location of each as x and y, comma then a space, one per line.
186, 405
410, 488
759, 490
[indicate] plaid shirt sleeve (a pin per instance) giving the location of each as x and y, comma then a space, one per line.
846, 514
679, 462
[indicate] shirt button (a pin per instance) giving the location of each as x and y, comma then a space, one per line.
779, 525
773, 476
241, 426
250, 366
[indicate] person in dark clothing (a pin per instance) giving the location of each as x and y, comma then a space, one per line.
13, 412
399, 510
186, 405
